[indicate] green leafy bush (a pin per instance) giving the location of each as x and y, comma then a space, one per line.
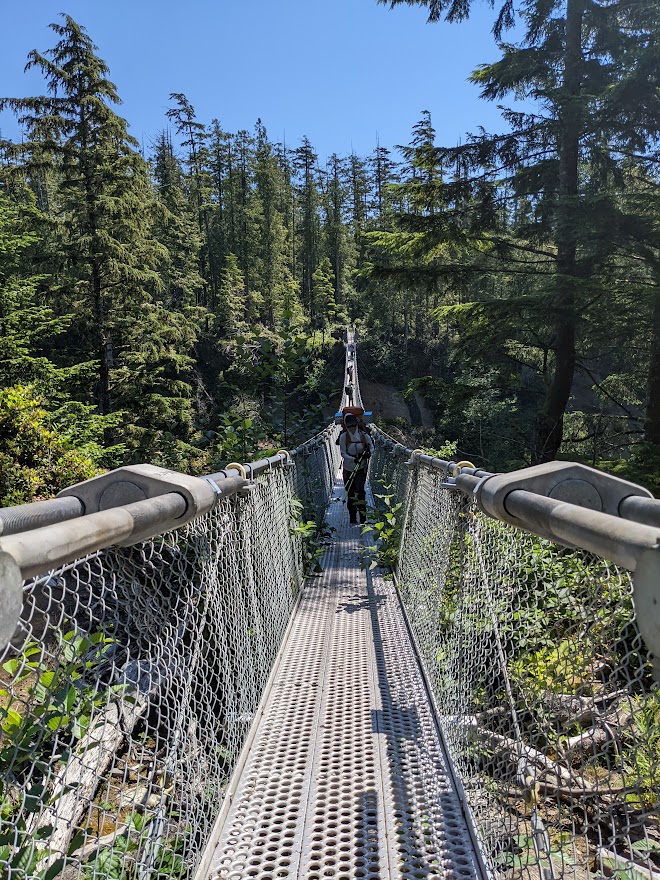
36, 460
386, 523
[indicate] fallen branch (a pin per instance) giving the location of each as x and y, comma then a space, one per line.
605, 729
570, 710
612, 863
516, 750
589, 740
75, 785
92, 847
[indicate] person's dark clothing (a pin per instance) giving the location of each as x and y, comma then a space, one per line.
356, 495
355, 446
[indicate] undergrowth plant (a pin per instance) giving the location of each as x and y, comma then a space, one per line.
120, 861
641, 753
385, 522
313, 538
57, 708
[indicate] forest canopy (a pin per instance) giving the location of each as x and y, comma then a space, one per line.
182, 304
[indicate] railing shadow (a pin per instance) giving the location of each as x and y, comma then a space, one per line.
400, 724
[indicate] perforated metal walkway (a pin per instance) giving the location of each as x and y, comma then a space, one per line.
344, 775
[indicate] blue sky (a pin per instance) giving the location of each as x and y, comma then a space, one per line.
343, 72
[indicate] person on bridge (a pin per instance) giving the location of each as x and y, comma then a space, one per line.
355, 446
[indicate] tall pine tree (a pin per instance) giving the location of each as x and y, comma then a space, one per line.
103, 191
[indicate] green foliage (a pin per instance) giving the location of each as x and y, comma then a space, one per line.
58, 706
518, 257
313, 537
323, 292
20, 849
36, 460
641, 758
124, 286
643, 467
117, 862
446, 451
525, 855
384, 524
59, 702
275, 365
27, 324
238, 438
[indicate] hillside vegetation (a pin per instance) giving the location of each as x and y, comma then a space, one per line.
183, 307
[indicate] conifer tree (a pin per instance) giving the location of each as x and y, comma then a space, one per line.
383, 174
305, 162
223, 233
194, 136
359, 195
590, 70
287, 208
272, 238
248, 221
103, 192
231, 298
323, 287
403, 248
27, 325
175, 227
336, 231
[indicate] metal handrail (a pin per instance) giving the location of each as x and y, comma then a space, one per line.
541, 500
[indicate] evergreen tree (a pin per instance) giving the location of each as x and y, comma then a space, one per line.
232, 314
27, 325
359, 189
423, 191
194, 135
152, 380
273, 237
336, 230
383, 174
103, 192
175, 227
305, 162
323, 287
582, 63
403, 249
287, 206
223, 226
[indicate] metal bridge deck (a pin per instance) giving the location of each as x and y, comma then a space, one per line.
344, 775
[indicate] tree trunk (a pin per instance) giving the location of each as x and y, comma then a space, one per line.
419, 316
104, 344
652, 431
550, 426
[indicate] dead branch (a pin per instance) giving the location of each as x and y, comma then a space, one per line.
75, 785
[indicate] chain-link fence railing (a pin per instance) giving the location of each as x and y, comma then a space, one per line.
316, 465
134, 674
541, 680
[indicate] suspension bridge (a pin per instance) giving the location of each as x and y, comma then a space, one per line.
179, 700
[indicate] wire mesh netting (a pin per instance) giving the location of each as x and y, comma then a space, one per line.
541, 682
131, 682
316, 464
133, 677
